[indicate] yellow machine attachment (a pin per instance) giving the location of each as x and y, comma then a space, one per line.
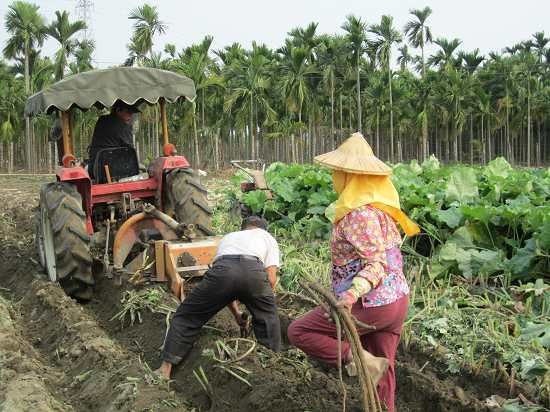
174, 261
179, 255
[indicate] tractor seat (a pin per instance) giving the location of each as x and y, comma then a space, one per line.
122, 162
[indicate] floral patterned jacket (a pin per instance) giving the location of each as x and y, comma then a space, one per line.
366, 243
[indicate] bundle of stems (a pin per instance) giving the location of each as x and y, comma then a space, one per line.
343, 318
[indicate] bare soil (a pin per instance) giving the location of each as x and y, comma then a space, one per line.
59, 355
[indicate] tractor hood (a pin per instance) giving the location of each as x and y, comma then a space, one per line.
101, 88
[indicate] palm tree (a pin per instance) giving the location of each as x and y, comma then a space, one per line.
450, 88
83, 55
196, 64
231, 53
27, 30
135, 54
512, 50
26, 26
376, 96
62, 30
306, 38
356, 35
445, 55
295, 71
9, 115
404, 58
42, 73
471, 60
330, 61
419, 34
249, 82
147, 25
170, 49
540, 41
12, 100
386, 37
527, 67
456, 88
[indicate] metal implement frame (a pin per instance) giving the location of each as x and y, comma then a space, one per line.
167, 255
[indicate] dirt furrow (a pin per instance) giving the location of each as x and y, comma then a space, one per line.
26, 383
277, 381
92, 371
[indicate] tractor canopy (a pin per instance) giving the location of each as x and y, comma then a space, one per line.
101, 88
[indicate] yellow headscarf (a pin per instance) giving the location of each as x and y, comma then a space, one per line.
356, 190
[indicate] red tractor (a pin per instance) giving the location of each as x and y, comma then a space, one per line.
113, 210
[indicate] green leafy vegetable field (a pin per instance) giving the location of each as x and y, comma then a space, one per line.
477, 222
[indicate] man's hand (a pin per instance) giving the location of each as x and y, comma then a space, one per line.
241, 318
237, 314
244, 324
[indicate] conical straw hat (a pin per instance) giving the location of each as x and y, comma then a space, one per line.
354, 156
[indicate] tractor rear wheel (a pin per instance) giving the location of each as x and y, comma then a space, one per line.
187, 199
62, 240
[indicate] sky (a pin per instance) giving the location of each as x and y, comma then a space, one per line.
489, 25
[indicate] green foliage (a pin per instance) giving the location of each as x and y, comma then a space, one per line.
462, 186
479, 222
474, 327
483, 222
302, 194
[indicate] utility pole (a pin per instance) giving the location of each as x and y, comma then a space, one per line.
83, 11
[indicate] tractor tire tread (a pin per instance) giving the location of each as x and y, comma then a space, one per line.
70, 239
188, 199
197, 186
202, 205
77, 210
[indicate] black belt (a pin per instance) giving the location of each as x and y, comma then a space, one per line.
249, 258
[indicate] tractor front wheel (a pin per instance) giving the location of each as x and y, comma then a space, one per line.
62, 240
187, 199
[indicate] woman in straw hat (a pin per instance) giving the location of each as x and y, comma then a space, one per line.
367, 266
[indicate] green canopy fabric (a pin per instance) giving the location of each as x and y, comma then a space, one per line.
101, 88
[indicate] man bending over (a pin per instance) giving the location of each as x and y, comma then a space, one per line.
244, 270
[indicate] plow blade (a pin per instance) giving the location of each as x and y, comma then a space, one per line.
128, 235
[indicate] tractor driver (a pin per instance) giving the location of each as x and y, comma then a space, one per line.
244, 269
113, 130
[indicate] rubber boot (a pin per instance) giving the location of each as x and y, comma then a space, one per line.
376, 366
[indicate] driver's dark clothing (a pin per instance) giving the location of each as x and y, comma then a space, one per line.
109, 132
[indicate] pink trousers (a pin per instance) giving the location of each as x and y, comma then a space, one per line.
316, 336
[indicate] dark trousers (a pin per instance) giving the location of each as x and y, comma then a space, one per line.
227, 280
